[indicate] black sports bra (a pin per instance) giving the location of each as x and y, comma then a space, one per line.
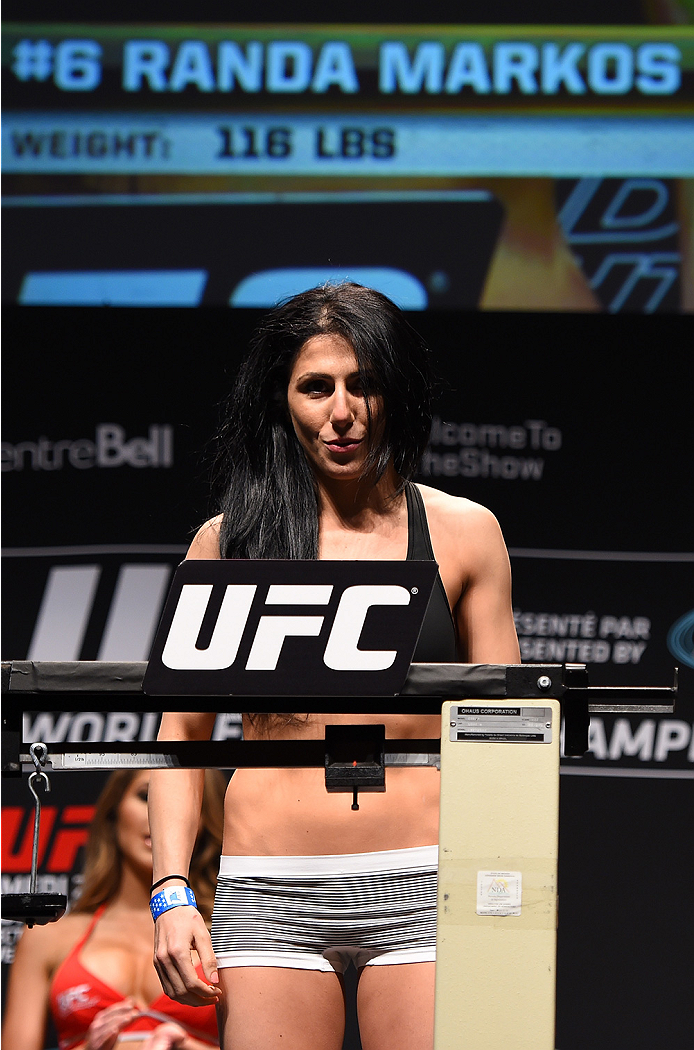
437, 641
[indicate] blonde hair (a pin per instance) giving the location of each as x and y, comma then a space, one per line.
103, 863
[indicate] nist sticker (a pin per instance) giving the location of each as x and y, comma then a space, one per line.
499, 892
504, 725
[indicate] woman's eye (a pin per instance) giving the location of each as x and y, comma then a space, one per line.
365, 386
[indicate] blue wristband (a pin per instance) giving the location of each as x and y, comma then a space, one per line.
171, 897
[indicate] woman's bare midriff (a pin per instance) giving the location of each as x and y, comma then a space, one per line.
289, 812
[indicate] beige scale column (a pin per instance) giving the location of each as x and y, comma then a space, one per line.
497, 893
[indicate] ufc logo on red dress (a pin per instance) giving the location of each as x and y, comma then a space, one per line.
289, 628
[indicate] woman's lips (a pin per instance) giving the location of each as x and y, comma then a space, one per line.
343, 445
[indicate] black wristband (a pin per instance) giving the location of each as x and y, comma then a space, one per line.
166, 879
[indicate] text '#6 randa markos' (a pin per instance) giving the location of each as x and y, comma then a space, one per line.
460, 62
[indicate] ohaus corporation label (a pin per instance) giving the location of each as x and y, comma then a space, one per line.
507, 725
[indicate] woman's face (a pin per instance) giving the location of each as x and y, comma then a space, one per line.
132, 823
327, 407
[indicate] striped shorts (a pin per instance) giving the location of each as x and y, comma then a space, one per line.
320, 913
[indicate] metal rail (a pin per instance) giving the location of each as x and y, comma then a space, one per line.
94, 682
95, 685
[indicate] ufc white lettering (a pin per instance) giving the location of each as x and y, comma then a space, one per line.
299, 594
269, 638
342, 652
180, 652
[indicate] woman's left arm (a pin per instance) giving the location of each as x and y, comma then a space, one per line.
484, 613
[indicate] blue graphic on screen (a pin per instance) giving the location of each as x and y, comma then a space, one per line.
680, 639
114, 288
264, 289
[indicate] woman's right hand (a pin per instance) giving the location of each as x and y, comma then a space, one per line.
104, 1030
177, 932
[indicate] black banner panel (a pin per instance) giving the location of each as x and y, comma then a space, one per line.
246, 253
271, 628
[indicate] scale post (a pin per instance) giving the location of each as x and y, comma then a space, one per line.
497, 890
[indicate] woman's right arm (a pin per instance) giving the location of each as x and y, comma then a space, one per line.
175, 798
28, 990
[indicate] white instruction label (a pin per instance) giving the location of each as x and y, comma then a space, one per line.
501, 725
499, 892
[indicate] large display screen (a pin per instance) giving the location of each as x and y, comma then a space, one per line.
503, 167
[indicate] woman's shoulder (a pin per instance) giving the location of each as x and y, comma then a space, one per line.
464, 534
455, 512
468, 544
49, 945
205, 543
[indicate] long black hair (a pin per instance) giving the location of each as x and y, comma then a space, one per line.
269, 504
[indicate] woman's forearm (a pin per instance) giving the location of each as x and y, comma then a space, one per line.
175, 802
175, 798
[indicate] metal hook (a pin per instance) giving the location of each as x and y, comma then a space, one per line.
38, 753
46, 783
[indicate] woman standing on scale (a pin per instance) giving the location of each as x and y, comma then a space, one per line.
329, 417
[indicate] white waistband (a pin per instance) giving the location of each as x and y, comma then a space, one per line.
332, 864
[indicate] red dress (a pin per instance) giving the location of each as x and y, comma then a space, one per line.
77, 996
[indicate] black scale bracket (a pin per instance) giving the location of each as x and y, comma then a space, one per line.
355, 759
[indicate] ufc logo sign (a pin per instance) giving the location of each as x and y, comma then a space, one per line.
289, 628
341, 651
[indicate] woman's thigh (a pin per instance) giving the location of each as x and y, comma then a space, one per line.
396, 1006
268, 1006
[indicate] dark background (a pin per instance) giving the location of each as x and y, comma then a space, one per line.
618, 390
465, 12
